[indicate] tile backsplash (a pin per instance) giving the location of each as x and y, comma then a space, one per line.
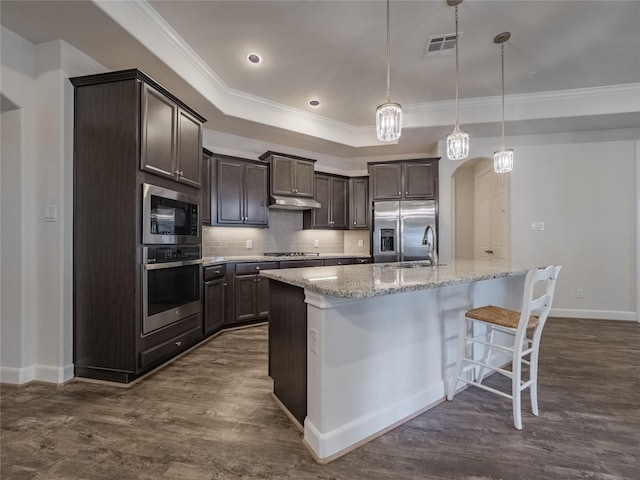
285, 234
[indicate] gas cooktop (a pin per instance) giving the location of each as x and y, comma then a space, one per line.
290, 254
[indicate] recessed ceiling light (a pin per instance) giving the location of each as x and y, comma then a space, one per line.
254, 58
314, 103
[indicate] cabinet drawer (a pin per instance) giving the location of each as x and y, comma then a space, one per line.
301, 263
329, 262
253, 268
170, 347
214, 271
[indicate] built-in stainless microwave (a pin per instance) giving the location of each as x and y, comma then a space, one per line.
169, 217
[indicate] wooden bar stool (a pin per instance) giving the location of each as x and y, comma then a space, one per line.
532, 316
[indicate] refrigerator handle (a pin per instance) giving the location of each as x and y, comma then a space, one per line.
400, 239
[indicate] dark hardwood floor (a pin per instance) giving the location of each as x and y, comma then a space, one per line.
209, 415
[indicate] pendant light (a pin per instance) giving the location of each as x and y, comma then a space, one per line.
388, 115
458, 140
503, 158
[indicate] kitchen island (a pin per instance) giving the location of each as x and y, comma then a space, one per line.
356, 350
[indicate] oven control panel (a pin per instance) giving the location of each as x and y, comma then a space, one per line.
171, 253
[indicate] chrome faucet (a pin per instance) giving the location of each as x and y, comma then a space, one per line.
429, 240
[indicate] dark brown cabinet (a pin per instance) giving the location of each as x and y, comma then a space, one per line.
241, 192
171, 141
359, 208
251, 292
205, 191
332, 192
329, 262
290, 175
214, 298
404, 180
125, 134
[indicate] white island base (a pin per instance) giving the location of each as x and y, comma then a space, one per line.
374, 363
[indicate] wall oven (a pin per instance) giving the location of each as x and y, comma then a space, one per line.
169, 217
171, 285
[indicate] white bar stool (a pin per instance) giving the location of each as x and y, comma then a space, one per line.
533, 315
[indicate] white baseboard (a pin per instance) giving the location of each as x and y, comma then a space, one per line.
331, 445
594, 314
36, 373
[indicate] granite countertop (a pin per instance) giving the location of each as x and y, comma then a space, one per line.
206, 261
372, 280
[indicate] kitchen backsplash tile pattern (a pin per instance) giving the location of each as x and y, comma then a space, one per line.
284, 234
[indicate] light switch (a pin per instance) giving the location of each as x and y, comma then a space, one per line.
249, 244
360, 243
50, 213
316, 243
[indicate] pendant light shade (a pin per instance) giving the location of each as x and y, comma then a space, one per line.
502, 158
458, 140
388, 115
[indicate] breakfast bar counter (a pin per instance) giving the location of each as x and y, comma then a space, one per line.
356, 350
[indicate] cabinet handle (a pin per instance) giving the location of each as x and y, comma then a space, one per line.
257, 268
259, 280
176, 172
180, 172
178, 343
354, 223
225, 284
399, 193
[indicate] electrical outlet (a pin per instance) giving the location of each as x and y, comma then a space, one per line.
249, 244
361, 243
50, 213
579, 293
537, 226
316, 243
313, 340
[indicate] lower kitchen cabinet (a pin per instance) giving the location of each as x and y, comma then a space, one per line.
214, 298
251, 292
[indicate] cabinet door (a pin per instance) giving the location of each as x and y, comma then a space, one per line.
205, 192
359, 203
304, 179
339, 202
329, 262
256, 185
321, 217
419, 180
230, 191
245, 287
282, 175
213, 306
189, 149
263, 298
158, 142
387, 181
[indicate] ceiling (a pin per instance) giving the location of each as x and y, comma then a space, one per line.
569, 65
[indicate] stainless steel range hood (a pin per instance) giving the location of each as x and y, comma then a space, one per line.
292, 203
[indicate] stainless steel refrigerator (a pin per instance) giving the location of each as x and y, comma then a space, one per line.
399, 229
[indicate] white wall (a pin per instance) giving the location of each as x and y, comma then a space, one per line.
35, 79
582, 186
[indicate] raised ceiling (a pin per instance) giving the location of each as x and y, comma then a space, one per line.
569, 66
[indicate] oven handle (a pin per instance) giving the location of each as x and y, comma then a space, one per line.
184, 263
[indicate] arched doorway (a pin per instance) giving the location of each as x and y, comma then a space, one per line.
481, 211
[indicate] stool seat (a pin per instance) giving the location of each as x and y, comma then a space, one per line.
500, 316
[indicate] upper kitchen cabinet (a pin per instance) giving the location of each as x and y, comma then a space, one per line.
404, 180
359, 207
290, 175
171, 140
332, 192
241, 192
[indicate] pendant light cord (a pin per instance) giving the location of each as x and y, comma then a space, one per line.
502, 61
457, 76
388, 54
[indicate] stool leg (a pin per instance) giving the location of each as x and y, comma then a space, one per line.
533, 374
516, 392
462, 331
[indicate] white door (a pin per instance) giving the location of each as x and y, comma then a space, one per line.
492, 232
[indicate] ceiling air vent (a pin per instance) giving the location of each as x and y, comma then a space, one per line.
438, 45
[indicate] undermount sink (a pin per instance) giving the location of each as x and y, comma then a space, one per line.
416, 265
